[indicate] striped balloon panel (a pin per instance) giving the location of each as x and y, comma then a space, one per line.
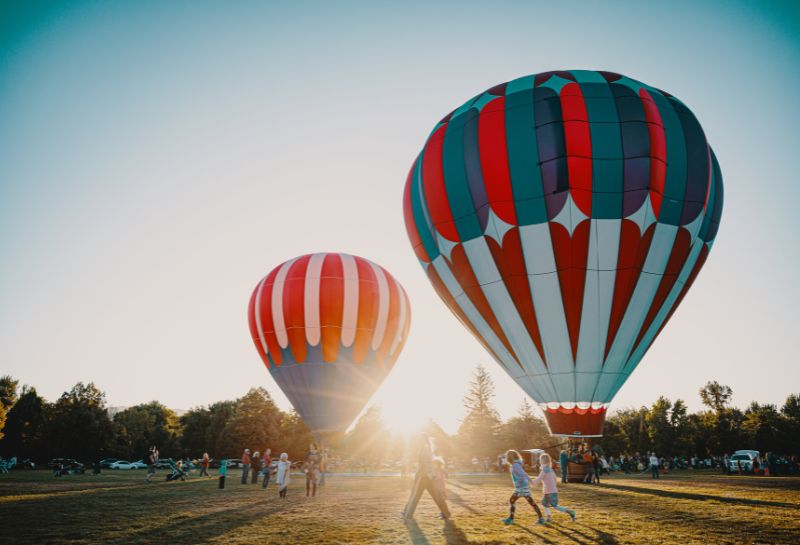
562, 217
329, 327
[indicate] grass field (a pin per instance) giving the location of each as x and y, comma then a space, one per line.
119, 508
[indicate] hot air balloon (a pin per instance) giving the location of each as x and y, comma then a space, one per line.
329, 327
562, 217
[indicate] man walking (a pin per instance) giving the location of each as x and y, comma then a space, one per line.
245, 465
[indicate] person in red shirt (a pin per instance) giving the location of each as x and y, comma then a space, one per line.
245, 465
266, 464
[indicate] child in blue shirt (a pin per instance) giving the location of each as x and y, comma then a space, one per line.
522, 488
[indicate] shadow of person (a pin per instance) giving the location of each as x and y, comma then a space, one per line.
415, 532
453, 535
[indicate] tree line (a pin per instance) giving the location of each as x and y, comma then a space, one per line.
78, 425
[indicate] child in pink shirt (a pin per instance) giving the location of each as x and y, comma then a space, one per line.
549, 488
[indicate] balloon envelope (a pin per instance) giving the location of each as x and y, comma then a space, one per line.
562, 217
329, 327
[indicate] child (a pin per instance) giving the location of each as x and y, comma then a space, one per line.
548, 479
284, 467
223, 470
521, 487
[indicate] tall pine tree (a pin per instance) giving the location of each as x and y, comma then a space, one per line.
478, 432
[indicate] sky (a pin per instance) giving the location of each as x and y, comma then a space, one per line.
157, 159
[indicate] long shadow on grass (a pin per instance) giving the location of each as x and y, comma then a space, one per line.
458, 500
534, 534
582, 538
203, 527
453, 535
693, 496
415, 532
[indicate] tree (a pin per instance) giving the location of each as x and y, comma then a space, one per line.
525, 430
369, 439
8, 391
791, 414
195, 424
217, 443
295, 435
722, 422
715, 396
79, 426
659, 427
8, 396
763, 427
478, 432
25, 427
254, 423
145, 425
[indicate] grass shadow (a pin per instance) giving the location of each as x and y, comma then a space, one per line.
415, 532
700, 497
458, 500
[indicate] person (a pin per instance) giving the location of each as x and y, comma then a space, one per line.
255, 466
223, 471
521, 487
182, 470
266, 464
654, 465
245, 465
58, 469
440, 475
323, 466
424, 480
204, 463
282, 477
596, 465
563, 461
547, 478
311, 470
151, 459
588, 463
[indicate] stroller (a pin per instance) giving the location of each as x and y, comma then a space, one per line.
177, 472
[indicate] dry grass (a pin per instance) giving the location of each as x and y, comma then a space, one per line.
118, 508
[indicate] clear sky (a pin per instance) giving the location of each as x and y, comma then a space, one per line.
157, 159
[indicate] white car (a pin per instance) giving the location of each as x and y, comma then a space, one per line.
742, 459
122, 464
139, 465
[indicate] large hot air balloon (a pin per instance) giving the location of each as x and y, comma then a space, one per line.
562, 217
329, 328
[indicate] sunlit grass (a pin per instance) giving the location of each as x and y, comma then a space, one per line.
118, 507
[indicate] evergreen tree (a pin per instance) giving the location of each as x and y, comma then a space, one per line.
478, 432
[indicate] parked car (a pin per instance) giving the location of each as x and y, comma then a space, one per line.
234, 463
122, 464
139, 464
164, 463
742, 459
68, 465
106, 462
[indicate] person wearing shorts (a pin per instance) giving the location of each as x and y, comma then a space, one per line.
521, 487
547, 477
